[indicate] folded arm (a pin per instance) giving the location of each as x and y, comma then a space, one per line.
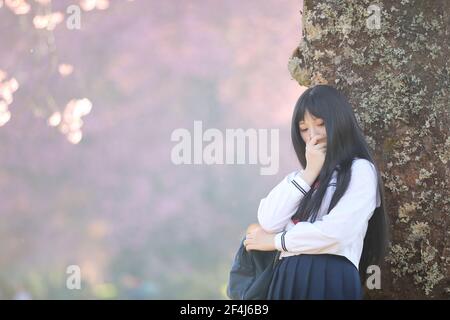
282, 202
343, 224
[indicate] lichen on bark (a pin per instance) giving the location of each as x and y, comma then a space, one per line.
397, 77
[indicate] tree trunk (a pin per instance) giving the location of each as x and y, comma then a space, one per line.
391, 60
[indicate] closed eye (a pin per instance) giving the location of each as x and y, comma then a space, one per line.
320, 124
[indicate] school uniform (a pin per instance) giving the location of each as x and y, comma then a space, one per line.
320, 260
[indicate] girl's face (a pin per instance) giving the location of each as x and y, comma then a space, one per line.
311, 126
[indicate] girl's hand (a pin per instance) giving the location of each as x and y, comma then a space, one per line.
315, 155
258, 239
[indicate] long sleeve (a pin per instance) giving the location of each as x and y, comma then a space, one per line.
277, 208
346, 221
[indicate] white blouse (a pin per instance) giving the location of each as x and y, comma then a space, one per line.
340, 232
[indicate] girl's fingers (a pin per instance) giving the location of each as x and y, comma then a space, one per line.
320, 149
314, 139
320, 145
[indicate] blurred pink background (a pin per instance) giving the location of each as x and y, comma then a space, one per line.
86, 176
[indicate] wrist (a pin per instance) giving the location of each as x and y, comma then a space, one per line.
309, 176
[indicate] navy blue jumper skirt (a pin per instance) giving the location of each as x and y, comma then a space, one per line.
315, 277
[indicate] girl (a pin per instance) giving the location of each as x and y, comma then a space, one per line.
328, 219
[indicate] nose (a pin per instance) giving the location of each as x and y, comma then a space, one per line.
312, 133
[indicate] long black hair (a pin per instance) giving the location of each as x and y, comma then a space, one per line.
345, 141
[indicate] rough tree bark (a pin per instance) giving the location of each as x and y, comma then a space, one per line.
396, 75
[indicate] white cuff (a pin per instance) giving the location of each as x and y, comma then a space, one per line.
279, 237
301, 185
